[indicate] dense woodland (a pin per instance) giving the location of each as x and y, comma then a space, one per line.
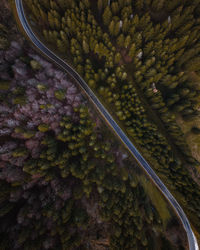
138, 56
65, 183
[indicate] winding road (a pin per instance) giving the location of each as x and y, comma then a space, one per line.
193, 245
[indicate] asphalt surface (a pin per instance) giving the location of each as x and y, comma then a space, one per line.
193, 245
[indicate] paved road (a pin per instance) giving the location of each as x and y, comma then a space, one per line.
141, 161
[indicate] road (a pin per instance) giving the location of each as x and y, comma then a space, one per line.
193, 245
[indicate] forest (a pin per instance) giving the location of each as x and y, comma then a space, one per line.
142, 59
65, 182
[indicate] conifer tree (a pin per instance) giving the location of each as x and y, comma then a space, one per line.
132, 50
43, 15
54, 5
46, 4
117, 58
139, 5
120, 40
85, 47
193, 65
61, 46
125, 25
117, 28
107, 15
158, 4
86, 3
115, 8
102, 4
51, 20
127, 41
111, 27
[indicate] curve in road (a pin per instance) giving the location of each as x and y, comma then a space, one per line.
193, 245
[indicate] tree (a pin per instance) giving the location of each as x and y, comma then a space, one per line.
107, 15
120, 40
111, 27
85, 47
193, 65
139, 4
102, 4
117, 58
132, 50
117, 28
115, 8
54, 5
125, 25
127, 41
51, 20
61, 46
158, 4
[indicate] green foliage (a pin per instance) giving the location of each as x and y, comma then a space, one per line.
35, 65
107, 15
60, 94
42, 87
43, 127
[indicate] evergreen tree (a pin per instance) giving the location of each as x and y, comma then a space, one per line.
51, 20
117, 28
139, 5
132, 50
158, 4
193, 65
117, 58
107, 15
115, 8
112, 27
120, 40
125, 26
85, 47
127, 41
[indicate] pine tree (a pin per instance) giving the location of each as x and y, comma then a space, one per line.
51, 20
86, 3
158, 4
54, 5
117, 58
120, 40
135, 21
127, 41
132, 50
57, 23
125, 26
193, 65
115, 8
35, 11
85, 47
111, 27
61, 46
102, 4
107, 15
64, 4
43, 15
171, 5
46, 4
139, 5
117, 28
64, 38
